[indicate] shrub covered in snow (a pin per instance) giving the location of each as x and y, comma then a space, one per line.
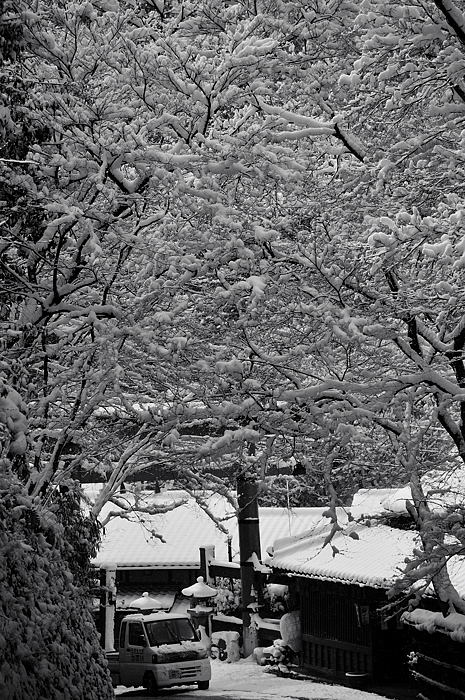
228, 598
49, 646
275, 598
279, 658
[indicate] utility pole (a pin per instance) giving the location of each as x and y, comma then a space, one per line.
249, 545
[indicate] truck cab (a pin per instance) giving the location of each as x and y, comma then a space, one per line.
159, 650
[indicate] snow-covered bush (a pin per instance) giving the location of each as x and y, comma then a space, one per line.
228, 599
49, 646
278, 658
275, 598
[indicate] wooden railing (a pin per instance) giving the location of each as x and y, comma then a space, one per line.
335, 658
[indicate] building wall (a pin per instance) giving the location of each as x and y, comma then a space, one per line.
342, 631
169, 577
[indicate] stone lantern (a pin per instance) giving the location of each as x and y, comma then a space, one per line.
201, 606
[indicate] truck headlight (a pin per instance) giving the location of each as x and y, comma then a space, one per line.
202, 654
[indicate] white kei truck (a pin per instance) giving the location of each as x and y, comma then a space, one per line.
159, 650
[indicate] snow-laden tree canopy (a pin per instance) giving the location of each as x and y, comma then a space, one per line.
235, 229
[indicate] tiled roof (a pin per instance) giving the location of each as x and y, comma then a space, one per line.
132, 544
366, 556
443, 488
372, 502
295, 536
278, 523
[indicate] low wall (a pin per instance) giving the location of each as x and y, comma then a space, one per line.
437, 665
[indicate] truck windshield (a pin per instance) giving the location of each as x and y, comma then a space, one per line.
170, 631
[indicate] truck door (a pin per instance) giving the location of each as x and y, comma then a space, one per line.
134, 654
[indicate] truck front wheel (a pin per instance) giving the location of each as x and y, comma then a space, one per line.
203, 685
150, 683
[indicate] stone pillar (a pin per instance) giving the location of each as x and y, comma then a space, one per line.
109, 609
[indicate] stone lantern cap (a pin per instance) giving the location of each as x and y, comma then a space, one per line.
146, 602
199, 590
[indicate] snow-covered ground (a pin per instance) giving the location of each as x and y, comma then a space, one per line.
251, 681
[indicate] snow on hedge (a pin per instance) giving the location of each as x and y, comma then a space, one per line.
426, 621
49, 646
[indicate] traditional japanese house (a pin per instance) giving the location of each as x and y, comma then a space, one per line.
159, 553
341, 586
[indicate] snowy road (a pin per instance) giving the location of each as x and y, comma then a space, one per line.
247, 681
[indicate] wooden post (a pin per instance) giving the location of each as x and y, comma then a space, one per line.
102, 606
249, 544
207, 554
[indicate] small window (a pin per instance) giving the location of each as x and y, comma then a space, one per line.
136, 635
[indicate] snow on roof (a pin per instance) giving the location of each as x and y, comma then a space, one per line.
372, 502
443, 488
365, 556
456, 569
317, 522
126, 595
156, 616
130, 543
283, 523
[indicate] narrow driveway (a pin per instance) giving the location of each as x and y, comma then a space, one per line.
186, 694
247, 681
